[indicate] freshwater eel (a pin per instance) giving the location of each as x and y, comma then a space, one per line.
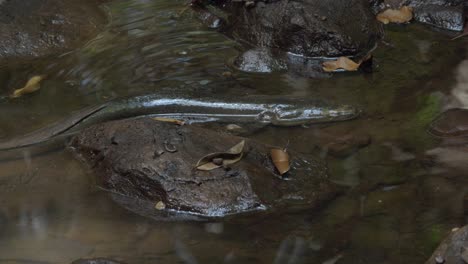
278, 111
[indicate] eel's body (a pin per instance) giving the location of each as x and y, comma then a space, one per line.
279, 111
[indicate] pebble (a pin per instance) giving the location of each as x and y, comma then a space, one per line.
439, 260
204, 82
160, 206
233, 127
217, 161
227, 74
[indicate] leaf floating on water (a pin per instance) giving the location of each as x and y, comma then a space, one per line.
402, 15
169, 120
219, 159
160, 206
341, 63
31, 86
280, 158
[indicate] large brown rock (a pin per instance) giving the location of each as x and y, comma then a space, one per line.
143, 162
312, 28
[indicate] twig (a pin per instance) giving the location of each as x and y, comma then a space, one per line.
460, 36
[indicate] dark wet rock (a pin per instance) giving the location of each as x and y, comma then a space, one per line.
418, 3
34, 28
446, 17
264, 60
146, 162
452, 249
445, 14
96, 261
259, 60
313, 28
451, 123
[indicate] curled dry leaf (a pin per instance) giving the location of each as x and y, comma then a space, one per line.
402, 15
31, 86
219, 159
169, 120
280, 158
341, 63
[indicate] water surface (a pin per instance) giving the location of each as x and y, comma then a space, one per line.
400, 202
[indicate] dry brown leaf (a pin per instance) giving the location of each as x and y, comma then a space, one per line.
340, 63
280, 158
31, 86
169, 120
402, 15
220, 159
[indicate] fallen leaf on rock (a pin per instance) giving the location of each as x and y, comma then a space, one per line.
402, 15
31, 86
160, 206
219, 159
280, 158
169, 120
341, 63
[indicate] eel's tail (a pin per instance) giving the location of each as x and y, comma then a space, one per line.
50, 131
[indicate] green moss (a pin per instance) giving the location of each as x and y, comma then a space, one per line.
414, 132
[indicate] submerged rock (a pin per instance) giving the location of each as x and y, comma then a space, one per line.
149, 167
451, 123
453, 250
35, 28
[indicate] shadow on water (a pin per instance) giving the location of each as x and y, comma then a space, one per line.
404, 190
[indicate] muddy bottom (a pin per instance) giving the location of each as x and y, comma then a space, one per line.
404, 190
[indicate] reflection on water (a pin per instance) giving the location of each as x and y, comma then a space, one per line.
399, 204
459, 94
454, 155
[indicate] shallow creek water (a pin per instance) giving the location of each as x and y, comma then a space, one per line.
400, 201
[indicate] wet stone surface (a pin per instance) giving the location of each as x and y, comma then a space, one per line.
444, 14
145, 163
453, 250
35, 28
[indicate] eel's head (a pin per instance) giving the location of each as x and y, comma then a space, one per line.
290, 115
